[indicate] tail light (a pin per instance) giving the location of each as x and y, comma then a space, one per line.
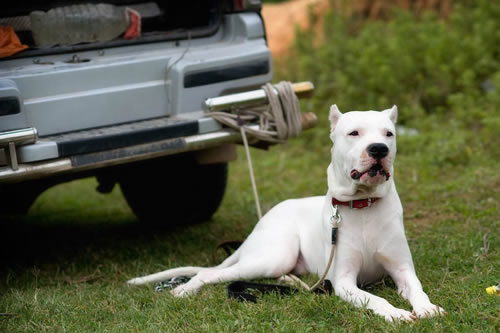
246, 5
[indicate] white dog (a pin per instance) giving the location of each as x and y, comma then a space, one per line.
295, 236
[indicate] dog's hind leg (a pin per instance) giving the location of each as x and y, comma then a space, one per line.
216, 275
259, 264
206, 276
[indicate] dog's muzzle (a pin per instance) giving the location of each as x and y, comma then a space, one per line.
372, 172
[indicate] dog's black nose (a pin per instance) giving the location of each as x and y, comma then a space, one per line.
377, 150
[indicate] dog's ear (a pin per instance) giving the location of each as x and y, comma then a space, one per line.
392, 113
334, 116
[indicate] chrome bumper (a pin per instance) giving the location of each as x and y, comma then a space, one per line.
10, 139
97, 160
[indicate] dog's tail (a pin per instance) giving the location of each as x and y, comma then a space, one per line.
166, 275
182, 271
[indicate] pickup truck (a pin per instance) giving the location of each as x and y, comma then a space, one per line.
130, 111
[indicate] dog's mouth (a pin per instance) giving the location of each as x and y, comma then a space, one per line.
373, 171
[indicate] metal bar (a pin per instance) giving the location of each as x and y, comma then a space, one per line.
117, 156
252, 98
34, 170
19, 137
12, 156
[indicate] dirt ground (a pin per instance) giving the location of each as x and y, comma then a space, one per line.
281, 18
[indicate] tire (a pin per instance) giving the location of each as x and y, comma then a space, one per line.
16, 199
174, 191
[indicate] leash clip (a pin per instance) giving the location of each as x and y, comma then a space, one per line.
336, 218
172, 283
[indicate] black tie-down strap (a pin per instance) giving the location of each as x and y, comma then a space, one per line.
238, 290
228, 246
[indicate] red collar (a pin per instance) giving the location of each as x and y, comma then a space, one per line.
362, 203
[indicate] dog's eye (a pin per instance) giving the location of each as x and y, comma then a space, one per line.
389, 133
354, 133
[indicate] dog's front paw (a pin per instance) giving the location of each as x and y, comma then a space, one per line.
428, 310
394, 314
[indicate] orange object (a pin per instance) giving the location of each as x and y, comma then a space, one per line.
9, 42
134, 28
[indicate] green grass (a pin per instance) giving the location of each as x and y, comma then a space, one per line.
65, 265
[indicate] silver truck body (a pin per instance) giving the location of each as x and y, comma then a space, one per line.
76, 97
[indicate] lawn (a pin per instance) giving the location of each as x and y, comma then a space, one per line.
64, 266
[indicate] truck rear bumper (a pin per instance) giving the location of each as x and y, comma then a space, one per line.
98, 148
95, 160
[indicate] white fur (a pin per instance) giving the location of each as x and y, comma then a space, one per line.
294, 236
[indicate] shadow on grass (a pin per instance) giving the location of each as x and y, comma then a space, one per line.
26, 242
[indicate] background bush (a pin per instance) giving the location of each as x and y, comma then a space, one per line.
428, 66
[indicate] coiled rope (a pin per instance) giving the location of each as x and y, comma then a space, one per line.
278, 121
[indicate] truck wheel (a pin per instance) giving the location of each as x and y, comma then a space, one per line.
174, 191
16, 199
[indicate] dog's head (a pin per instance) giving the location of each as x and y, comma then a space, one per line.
364, 144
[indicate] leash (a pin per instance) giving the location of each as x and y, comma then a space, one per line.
335, 220
239, 290
250, 170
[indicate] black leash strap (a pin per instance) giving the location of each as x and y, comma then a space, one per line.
238, 290
228, 246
